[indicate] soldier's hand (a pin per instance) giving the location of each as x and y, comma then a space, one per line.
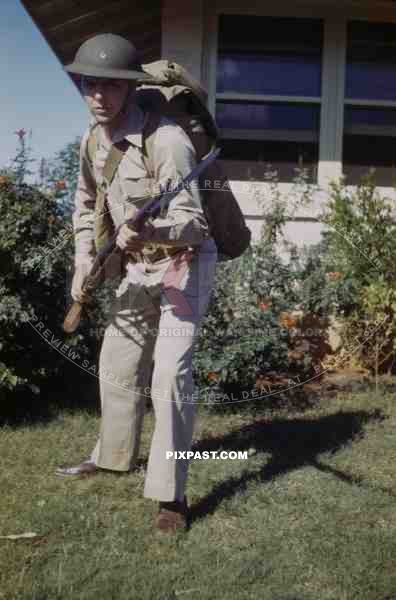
129, 239
77, 292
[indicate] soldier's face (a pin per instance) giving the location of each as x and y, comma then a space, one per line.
105, 97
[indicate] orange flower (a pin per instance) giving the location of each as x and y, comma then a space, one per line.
211, 376
4, 180
295, 355
288, 320
60, 185
334, 275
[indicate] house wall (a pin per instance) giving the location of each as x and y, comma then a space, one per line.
189, 32
182, 33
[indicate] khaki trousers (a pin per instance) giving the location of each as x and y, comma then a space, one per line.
154, 317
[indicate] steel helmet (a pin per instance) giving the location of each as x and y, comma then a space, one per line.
110, 56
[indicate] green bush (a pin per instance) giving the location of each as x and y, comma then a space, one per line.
361, 250
35, 271
254, 326
29, 286
241, 336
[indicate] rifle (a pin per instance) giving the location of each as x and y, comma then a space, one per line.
111, 251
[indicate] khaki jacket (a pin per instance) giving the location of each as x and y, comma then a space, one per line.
173, 158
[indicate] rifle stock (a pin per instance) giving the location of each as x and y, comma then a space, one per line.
73, 317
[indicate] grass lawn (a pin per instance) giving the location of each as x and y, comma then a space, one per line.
311, 515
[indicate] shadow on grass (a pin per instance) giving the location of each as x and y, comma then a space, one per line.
73, 391
293, 443
303, 397
22, 407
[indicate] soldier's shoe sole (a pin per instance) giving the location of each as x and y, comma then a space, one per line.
85, 469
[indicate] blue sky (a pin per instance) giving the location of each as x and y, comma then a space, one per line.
35, 93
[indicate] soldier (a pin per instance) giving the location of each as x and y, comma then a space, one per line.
168, 273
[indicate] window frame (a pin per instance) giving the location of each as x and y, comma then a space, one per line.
272, 135
332, 100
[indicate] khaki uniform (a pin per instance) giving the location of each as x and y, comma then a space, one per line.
157, 309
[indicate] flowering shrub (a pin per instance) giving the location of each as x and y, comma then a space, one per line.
34, 277
61, 174
361, 253
259, 314
35, 270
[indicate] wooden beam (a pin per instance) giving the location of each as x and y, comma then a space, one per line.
65, 13
66, 24
114, 23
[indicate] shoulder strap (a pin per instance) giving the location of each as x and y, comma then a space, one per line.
91, 145
114, 157
103, 221
117, 151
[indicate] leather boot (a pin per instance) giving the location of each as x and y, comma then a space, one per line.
172, 516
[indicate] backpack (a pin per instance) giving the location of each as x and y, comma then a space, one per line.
173, 93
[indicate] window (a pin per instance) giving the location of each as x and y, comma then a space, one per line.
268, 94
370, 102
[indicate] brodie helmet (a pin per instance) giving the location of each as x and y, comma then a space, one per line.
109, 56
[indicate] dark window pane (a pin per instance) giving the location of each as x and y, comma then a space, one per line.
371, 61
266, 55
362, 152
281, 76
249, 160
371, 117
370, 141
243, 115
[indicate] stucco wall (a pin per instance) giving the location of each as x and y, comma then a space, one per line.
182, 33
